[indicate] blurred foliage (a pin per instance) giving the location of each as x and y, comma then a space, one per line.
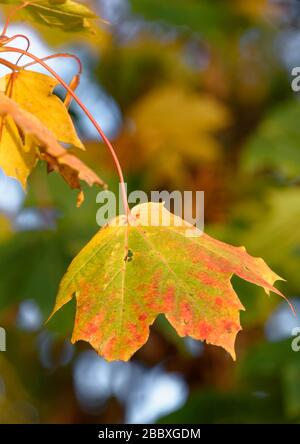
175, 130
213, 20
266, 391
204, 92
14, 401
279, 129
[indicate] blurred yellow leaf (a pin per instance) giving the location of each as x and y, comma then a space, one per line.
5, 228
173, 127
257, 8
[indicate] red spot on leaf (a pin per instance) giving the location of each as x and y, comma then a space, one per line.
93, 326
134, 334
230, 326
108, 348
169, 298
204, 329
219, 302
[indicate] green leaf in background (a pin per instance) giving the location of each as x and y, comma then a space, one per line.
291, 388
276, 234
271, 367
267, 391
210, 19
275, 145
40, 260
261, 367
130, 71
213, 407
66, 15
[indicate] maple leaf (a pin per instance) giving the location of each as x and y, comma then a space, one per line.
66, 15
58, 158
169, 113
33, 92
17, 159
130, 272
173, 128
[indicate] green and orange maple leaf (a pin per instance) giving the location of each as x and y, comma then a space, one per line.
132, 271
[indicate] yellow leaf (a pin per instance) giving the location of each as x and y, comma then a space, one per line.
173, 128
34, 93
259, 8
58, 158
17, 158
6, 229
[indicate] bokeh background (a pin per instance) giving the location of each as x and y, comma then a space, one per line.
196, 95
